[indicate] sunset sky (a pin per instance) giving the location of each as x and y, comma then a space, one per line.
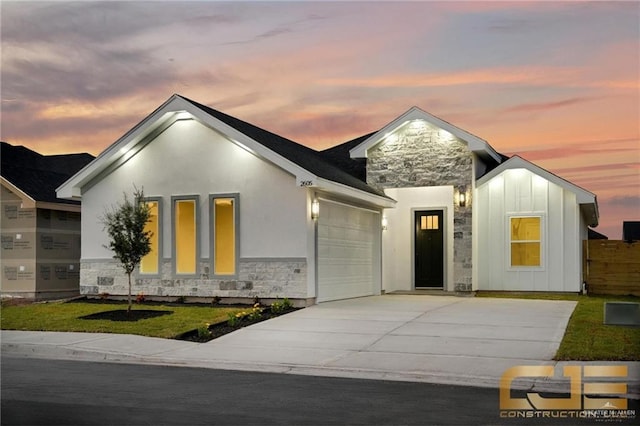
555, 82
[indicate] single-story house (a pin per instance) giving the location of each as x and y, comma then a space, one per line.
40, 254
241, 212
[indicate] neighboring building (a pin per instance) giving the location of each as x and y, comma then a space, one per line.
40, 233
241, 212
631, 230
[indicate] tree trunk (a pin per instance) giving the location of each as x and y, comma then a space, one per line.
129, 297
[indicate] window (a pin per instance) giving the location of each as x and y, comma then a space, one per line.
185, 238
224, 218
429, 222
150, 264
525, 241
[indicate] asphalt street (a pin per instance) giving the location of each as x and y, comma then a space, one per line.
55, 392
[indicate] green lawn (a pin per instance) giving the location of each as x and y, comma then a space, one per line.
60, 316
587, 338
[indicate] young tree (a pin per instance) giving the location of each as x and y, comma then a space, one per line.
128, 239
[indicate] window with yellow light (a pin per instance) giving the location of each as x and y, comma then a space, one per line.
525, 241
149, 263
185, 236
224, 236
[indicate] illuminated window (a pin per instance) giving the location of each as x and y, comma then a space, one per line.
185, 235
525, 241
224, 210
150, 264
429, 222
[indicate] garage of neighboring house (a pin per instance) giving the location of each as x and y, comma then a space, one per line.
348, 251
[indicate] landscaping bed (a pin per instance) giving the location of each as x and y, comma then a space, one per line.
213, 331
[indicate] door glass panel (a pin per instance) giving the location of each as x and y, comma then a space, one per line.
429, 222
434, 222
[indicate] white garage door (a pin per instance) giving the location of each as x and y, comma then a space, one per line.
348, 252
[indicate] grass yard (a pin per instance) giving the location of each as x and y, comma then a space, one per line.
60, 316
587, 338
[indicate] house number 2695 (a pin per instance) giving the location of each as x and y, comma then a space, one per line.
306, 183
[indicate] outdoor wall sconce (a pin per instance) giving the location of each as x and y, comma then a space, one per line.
462, 197
384, 223
315, 209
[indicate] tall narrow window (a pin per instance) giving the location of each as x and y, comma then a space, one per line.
525, 241
185, 236
150, 263
224, 235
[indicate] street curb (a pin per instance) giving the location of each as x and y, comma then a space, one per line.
45, 351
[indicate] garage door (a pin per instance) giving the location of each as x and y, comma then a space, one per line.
348, 252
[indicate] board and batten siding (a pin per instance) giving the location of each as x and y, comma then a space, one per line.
519, 192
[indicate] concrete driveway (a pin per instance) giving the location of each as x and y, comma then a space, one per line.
404, 337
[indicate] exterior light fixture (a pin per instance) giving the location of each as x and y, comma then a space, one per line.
462, 197
315, 209
385, 223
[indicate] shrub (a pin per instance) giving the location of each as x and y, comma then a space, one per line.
255, 313
140, 298
204, 332
281, 306
216, 300
104, 295
234, 319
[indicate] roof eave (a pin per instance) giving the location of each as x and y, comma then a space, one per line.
587, 200
72, 188
475, 144
345, 190
27, 200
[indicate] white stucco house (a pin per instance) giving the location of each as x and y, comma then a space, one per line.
240, 212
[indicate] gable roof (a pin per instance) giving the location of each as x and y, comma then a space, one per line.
303, 156
587, 200
339, 156
35, 177
305, 163
475, 144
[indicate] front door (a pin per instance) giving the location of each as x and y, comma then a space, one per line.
429, 249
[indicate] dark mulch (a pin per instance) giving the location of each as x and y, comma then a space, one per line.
123, 315
222, 328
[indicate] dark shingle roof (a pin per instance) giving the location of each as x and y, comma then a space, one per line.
305, 157
339, 156
39, 175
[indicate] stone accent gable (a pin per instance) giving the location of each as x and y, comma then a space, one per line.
420, 155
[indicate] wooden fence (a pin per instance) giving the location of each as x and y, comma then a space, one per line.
611, 267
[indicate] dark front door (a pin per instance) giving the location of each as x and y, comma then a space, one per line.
429, 248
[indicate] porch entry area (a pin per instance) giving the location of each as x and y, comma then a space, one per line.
429, 249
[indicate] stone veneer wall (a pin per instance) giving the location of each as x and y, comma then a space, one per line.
420, 155
264, 278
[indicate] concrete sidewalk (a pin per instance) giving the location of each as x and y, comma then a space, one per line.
436, 339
